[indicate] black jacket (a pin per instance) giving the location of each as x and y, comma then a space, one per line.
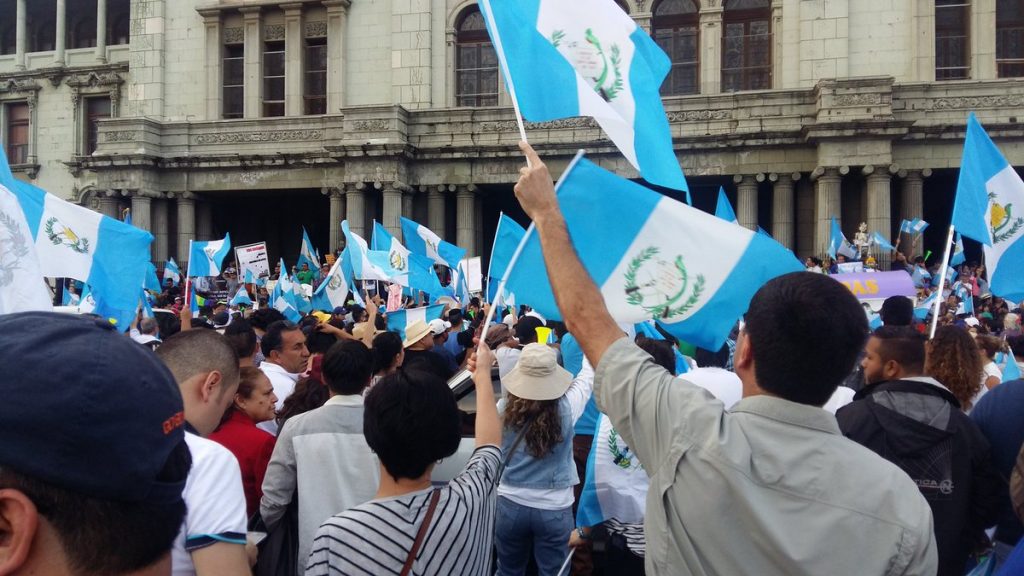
919, 427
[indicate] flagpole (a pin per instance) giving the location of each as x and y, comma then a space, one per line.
519, 250
188, 276
486, 4
942, 282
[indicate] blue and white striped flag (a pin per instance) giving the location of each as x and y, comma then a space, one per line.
206, 257
988, 208
22, 286
913, 227
648, 255
879, 240
241, 297
958, 256
71, 241
724, 209
424, 241
838, 244
951, 275
147, 306
926, 306
616, 483
506, 238
921, 277
418, 270
333, 290
367, 264
152, 282
1009, 366
307, 254
172, 271
564, 59
399, 320
282, 298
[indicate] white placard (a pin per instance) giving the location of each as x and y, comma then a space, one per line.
474, 274
252, 257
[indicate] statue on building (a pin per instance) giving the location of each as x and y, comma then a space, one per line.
860, 240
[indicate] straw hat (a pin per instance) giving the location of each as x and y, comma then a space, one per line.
415, 333
538, 376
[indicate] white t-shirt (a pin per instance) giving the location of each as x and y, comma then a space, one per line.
215, 501
723, 384
991, 369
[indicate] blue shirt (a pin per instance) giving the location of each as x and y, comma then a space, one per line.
998, 414
572, 360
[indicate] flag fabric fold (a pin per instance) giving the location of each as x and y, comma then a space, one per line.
989, 208
838, 244
654, 262
424, 241
152, 282
506, 238
241, 298
307, 254
879, 240
723, 209
206, 257
616, 483
333, 290
172, 271
367, 264
22, 286
399, 320
567, 59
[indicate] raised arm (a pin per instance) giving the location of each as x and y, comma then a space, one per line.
488, 427
577, 295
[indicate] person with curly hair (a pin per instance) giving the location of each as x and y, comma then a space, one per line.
952, 358
535, 496
310, 392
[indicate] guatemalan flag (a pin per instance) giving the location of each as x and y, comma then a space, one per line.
879, 240
71, 241
589, 58
958, 256
650, 257
334, 289
838, 244
368, 264
241, 297
506, 238
172, 271
307, 254
399, 320
206, 257
22, 287
989, 208
723, 209
423, 240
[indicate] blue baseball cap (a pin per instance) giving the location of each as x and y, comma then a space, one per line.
88, 410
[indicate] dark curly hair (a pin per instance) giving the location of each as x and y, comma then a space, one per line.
310, 392
952, 358
546, 429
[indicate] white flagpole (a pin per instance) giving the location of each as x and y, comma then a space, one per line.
519, 250
486, 5
942, 283
188, 276
566, 563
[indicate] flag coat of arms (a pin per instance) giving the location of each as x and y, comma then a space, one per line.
333, 291
567, 59
367, 264
655, 261
206, 257
989, 208
424, 241
22, 286
399, 320
724, 209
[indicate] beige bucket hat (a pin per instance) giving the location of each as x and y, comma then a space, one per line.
538, 376
415, 333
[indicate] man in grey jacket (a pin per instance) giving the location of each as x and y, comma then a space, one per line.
771, 486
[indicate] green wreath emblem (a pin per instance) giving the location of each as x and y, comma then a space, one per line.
10, 257
66, 237
396, 261
1002, 216
675, 305
609, 83
622, 457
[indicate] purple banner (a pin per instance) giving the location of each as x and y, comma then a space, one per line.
878, 285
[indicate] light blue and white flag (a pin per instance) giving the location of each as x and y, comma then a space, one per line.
172, 271
71, 241
241, 298
367, 264
724, 209
398, 255
648, 255
616, 483
206, 257
424, 241
925, 307
22, 286
86, 304
958, 256
282, 297
1009, 366
334, 289
147, 306
299, 299
989, 208
913, 227
506, 238
563, 59
152, 282
963, 292
921, 276
838, 244
307, 254
399, 320
951, 275
879, 240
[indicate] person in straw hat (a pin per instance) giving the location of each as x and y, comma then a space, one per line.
419, 353
535, 495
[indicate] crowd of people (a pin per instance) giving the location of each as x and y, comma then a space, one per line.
241, 443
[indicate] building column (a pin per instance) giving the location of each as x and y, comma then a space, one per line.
186, 205
160, 229
407, 203
21, 35
108, 203
101, 31
465, 219
337, 14
355, 208
337, 199
912, 204
392, 218
436, 209
60, 40
746, 200
710, 50
782, 208
879, 210
142, 204
293, 101
253, 61
204, 221
212, 30
778, 45
827, 205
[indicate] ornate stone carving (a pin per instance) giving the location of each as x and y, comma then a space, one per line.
273, 32
510, 125
315, 29
968, 102
865, 99
263, 136
120, 136
370, 125
15, 86
234, 35
699, 115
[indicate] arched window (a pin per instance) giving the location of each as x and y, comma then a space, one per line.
746, 45
1010, 38
952, 40
476, 63
675, 28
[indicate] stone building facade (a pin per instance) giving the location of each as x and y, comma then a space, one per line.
255, 116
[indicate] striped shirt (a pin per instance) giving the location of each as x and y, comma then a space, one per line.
375, 537
633, 533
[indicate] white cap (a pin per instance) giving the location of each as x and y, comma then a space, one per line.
438, 326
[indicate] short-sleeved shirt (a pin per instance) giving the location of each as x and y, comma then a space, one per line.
215, 501
375, 537
770, 484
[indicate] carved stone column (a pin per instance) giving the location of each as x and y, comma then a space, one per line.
160, 229
407, 203
21, 35
253, 61
142, 202
436, 209
204, 221
782, 209
108, 203
355, 208
912, 204
827, 205
746, 200
337, 198
337, 15
879, 206
392, 220
465, 223
710, 50
186, 205
60, 39
293, 101
101, 31
212, 39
